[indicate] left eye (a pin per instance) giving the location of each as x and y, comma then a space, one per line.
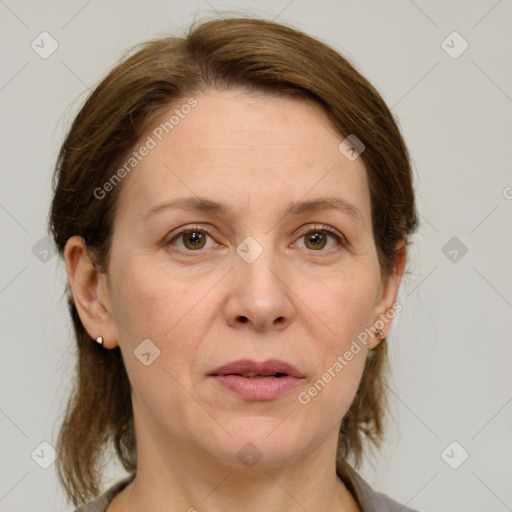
193, 239
317, 239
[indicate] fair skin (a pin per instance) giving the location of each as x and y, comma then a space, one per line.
203, 307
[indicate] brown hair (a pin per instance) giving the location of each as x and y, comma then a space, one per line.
254, 55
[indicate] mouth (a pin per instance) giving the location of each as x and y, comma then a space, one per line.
258, 381
251, 369
258, 375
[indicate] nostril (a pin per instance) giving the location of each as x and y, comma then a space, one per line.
243, 319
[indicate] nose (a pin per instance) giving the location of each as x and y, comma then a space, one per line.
259, 296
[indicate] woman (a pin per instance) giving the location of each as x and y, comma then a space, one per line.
233, 209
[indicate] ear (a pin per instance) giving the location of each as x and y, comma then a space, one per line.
89, 287
388, 294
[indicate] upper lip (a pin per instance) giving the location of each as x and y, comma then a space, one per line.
246, 366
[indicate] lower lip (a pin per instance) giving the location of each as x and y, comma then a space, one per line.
257, 389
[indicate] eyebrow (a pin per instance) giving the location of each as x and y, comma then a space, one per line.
295, 208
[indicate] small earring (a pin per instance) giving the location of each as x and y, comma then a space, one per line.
379, 334
99, 339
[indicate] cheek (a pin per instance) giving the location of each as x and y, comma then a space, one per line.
151, 301
348, 304
331, 391
347, 307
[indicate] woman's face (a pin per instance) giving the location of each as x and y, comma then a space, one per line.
259, 280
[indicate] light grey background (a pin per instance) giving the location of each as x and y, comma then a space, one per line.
450, 346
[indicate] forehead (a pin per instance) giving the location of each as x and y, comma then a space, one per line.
248, 149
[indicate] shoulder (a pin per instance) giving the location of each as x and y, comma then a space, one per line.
368, 499
101, 503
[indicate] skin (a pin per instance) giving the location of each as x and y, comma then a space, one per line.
300, 302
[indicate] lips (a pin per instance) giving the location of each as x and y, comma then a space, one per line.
258, 381
250, 369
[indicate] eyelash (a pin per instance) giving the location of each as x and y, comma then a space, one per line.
319, 228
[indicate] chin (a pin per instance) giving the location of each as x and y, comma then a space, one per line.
260, 442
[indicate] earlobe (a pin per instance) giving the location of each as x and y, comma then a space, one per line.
88, 286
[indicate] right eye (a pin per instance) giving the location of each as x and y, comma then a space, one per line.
192, 239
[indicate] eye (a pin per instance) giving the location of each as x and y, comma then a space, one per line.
192, 238
317, 238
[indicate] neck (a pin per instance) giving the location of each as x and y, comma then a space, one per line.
199, 483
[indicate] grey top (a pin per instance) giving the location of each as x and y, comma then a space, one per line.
367, 498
